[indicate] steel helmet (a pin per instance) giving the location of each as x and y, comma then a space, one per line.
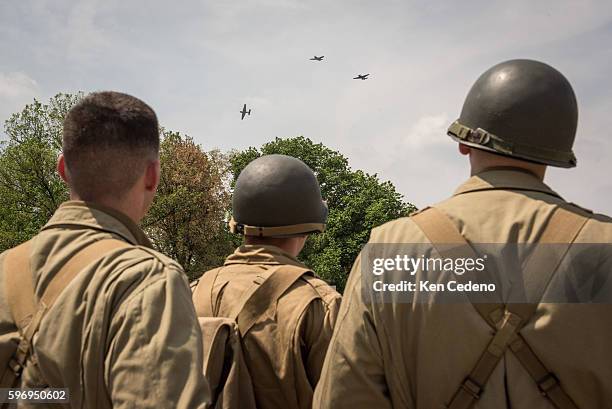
521, 108
277, 196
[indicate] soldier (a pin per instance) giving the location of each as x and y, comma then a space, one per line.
519, 117
276, 204
92, 306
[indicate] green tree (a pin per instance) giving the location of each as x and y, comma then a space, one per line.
357, 203
30, 188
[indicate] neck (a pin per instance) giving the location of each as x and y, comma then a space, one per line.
126, 205
481, 161
288, 245
539, 176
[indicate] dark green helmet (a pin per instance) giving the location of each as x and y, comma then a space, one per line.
277, 196
521, 108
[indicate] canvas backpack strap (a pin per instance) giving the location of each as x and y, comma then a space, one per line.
203, 293
450, 243
19, 285
563, 227
273, 287
21, 295
562, 230
548, 384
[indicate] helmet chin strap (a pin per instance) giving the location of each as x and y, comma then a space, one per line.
276, 231
482, 139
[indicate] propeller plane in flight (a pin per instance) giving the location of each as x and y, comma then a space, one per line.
244, 112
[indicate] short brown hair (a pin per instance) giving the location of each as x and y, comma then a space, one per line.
108, 139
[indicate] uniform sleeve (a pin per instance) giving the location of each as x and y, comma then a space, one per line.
318, 326
155, 359
353, 372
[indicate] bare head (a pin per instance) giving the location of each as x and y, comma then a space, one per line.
110, 152
481, 160
291, 245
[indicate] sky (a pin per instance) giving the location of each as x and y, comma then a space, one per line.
197, 62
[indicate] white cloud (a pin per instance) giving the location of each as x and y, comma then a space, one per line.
427, 131
16, 86
16, 90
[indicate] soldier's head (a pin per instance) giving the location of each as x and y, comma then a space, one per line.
277, 201
519, 113
110, 152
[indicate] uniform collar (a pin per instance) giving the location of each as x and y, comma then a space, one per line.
506, 179
261, 254
77, 214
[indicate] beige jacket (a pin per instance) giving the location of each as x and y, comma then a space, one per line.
285, 350
124, 333
415, 355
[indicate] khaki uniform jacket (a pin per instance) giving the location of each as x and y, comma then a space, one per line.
416, 355
284, 351
124, 333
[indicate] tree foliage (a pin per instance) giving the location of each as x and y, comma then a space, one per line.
357, 202
186, 220
30, 188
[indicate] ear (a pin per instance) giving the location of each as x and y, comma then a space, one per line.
299, 243
464, 149
152, 175
61, 167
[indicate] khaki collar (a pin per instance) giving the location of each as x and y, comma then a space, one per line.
78, 214
261, 254
506, 179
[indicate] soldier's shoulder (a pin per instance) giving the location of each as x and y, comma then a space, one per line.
327, 292
207, 278
147, 271
3, 254
590, 213
585, 212
149, 258
24, 247
194, 284
397, 230
598, 224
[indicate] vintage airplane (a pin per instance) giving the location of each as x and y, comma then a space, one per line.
315, 58
245, 112
361, 77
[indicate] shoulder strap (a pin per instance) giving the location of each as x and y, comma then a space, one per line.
563, 227
202, 295
21, 294
76, 264
450, 243
19, 287
438, 228
273, 287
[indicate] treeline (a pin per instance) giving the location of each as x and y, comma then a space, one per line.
188, 219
